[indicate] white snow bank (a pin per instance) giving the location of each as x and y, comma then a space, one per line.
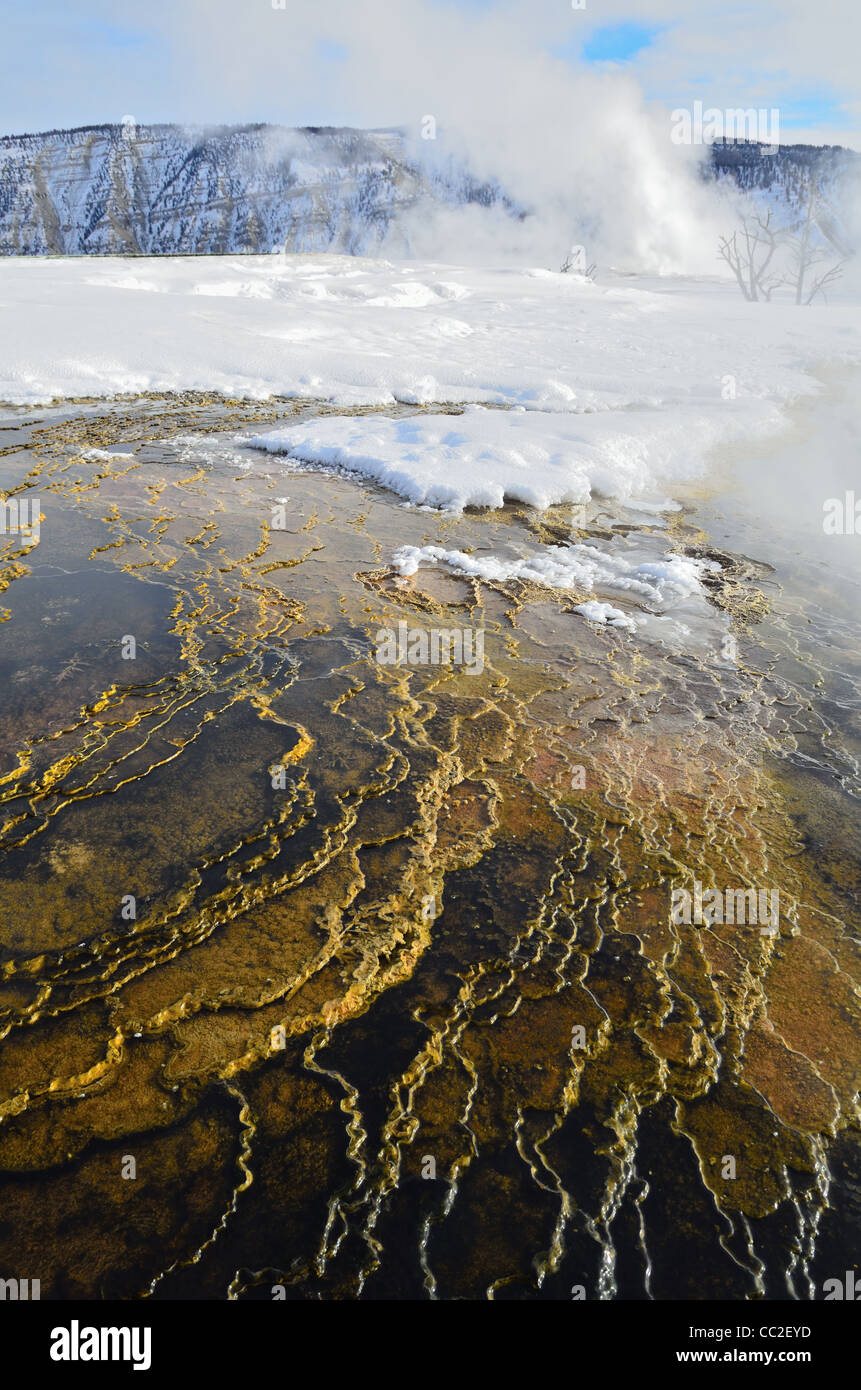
484, 456
612, 388
358, 331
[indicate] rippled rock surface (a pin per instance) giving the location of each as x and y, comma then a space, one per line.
372, 970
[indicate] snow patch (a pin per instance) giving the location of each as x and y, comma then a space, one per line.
484, 457
577, 567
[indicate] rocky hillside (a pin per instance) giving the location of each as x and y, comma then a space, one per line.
164, 190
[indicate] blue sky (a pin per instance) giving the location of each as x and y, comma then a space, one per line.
210, 60
617, 42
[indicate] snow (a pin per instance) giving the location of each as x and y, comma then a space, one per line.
484, 456
614, 390
663, 592
370, 332
605, 615
570, 390
582, 566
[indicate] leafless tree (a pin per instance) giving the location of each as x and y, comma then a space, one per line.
749, 253
574, 261
810, 257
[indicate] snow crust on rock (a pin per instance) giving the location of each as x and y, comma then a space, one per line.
485, 457
580, 566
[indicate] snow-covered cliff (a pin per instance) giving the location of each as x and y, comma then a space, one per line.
165, 190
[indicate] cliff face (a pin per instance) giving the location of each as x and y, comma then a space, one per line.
163, 190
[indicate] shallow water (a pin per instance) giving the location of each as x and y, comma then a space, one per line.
414, 1020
